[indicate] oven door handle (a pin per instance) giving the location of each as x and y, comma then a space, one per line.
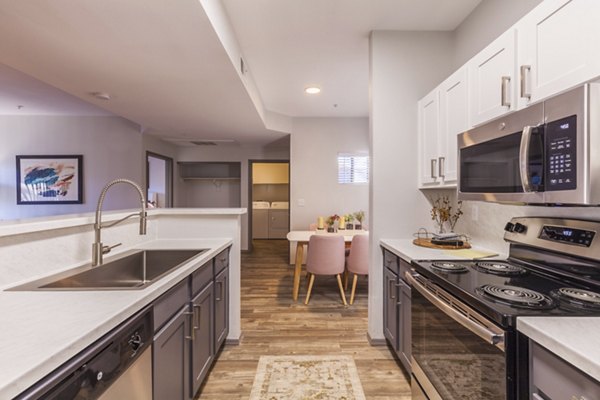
524, 159
462, 314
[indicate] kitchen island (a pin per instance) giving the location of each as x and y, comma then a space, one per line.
43, 329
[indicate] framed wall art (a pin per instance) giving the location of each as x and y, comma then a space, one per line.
50, 179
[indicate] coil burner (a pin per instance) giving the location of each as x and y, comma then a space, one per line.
447, 266
515, 296
499, 268
577, 298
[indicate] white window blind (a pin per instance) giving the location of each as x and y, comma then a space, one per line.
353, 168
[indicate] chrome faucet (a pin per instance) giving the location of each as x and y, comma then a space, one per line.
98, 250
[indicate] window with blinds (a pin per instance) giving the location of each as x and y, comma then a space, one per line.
353, 168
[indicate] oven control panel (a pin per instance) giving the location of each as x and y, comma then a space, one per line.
580, 237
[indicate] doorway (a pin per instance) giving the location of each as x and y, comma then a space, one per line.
268, 200
159, 180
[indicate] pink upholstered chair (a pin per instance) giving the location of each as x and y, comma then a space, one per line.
357, 261
325, 257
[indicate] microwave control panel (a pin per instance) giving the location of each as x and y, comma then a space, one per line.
562, 234
561, 154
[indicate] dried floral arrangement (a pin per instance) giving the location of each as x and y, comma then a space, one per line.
441, 212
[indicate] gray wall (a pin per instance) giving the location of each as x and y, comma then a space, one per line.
404, 66
487, 21
110, 147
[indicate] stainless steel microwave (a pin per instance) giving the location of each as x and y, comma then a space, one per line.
548, 153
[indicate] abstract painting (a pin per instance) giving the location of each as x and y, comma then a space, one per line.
50, 179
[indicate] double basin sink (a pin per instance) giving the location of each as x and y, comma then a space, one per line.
135, 269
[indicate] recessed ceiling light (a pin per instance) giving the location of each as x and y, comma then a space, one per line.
312, 90
101, 95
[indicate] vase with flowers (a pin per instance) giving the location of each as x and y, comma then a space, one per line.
441, 212
331, 221
359, 216
349, 221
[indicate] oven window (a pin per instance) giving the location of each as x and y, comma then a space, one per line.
492, 166
459, 364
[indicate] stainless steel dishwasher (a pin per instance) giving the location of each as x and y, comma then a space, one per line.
117, 366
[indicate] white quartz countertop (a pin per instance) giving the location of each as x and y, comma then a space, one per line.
41, 330
574, 339
405, 249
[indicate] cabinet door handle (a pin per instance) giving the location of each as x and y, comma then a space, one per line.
219, 297
191, 337
504, 92
525, 70
196, 324
391, 290
433, 167
442, 167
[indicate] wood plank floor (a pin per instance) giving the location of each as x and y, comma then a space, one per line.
274, 325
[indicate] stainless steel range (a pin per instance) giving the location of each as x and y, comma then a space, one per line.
464, 313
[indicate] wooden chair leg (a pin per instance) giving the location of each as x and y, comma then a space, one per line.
339, 279
353, 288
310, 285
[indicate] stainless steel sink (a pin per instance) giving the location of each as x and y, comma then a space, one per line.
135, 270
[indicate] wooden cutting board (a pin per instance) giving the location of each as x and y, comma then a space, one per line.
427, 243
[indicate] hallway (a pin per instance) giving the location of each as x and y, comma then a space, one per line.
273, 325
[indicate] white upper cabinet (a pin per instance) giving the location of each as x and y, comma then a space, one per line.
558, 48
454, 112
429, 126
492, 79
443, 114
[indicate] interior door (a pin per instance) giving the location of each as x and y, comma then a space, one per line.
159, 180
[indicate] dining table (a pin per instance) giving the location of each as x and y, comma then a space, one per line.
301, 239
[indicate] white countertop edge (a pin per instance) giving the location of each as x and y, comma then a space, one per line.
405, 249
574, 339
18, 381
21, 226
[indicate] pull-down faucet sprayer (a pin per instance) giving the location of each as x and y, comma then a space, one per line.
98, 250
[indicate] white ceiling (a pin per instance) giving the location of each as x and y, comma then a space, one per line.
290, 44
166, 69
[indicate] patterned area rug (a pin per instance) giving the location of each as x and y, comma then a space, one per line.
466, 376
306, 377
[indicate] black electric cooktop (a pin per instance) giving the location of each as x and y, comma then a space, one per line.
503, 290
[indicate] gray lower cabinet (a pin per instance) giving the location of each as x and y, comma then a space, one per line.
221, 307
203, 342
190, 325
170, 354
396, 307
390, 319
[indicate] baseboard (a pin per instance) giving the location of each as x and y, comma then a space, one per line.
377, 341
234, 341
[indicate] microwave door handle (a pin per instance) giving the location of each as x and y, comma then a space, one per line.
524, 159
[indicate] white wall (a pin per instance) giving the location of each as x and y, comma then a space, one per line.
487, 21
111, 148
230, 153
404, 66
315, 144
